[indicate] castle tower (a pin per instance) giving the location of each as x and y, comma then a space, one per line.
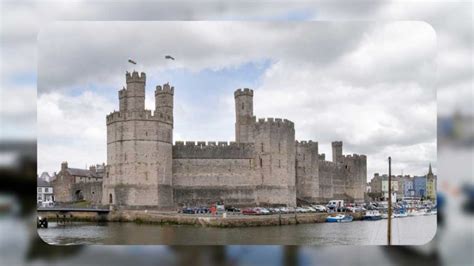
275, 162
132, 98
307, 171
336, 151
244, 115
164, 102
139, 149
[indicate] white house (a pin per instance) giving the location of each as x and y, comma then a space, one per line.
45, 194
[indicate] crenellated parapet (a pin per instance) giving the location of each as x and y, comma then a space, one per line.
243, 92
274, 122
165, 89
212, 150
134, 77
355, 157
307, 144
122, 116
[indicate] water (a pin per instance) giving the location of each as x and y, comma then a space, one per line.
405, 231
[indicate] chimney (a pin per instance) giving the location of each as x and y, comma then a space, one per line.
63, 166
92, 168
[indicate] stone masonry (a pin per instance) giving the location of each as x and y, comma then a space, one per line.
265, 166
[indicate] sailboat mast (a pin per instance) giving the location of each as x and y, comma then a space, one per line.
389, 229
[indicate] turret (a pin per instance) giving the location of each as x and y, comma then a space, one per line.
336, 151
132, 98
244, 115
164, 102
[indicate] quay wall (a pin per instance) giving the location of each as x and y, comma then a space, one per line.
163, 218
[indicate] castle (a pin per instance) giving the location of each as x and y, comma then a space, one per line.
265, 166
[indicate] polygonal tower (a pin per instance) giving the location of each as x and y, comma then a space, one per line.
245, 119
139, 149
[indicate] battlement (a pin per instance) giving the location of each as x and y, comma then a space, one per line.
306, 143
134, 77
336, 143
117, 116
244, 92
166, 88
212, 150
355, 157
329, 164
275, 122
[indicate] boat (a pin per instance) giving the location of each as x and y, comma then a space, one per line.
340, 218
372, 215
400, 214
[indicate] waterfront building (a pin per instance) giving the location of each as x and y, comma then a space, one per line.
430, 185
75, 184
395, 188
44, 191
419, 185
408, 188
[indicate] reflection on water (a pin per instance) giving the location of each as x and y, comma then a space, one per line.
406, 231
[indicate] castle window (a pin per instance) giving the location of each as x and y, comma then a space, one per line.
110, 199
242, 106
279, 147
262, 146
261, 162
146, 133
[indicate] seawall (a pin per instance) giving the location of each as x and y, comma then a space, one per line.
232, 220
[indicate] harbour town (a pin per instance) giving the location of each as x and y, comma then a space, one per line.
264, 178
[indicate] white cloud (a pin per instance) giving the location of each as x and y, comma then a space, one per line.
451, 21
71, 128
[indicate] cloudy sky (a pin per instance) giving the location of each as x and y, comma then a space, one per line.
367, 69
368, 84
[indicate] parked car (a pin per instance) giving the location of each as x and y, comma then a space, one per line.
262, 211
249, 211
300, 210
220, 208
284, 210
188, 211
319, 208
232, 209
202, 210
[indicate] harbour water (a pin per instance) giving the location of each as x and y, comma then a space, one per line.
416, 230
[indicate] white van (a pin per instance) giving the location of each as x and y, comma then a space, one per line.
333, 204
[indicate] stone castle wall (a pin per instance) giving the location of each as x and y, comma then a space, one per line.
265, 166
204, 173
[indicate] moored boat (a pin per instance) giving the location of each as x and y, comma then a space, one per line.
340, 218
372, 215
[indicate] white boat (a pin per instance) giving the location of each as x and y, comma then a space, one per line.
372, 215
400, 215
340, 218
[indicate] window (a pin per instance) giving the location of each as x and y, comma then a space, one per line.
279, 147
242, 106
39, 189
261, 162
262, 146
110, 199
279, 164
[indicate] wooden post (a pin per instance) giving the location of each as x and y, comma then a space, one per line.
389, 229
